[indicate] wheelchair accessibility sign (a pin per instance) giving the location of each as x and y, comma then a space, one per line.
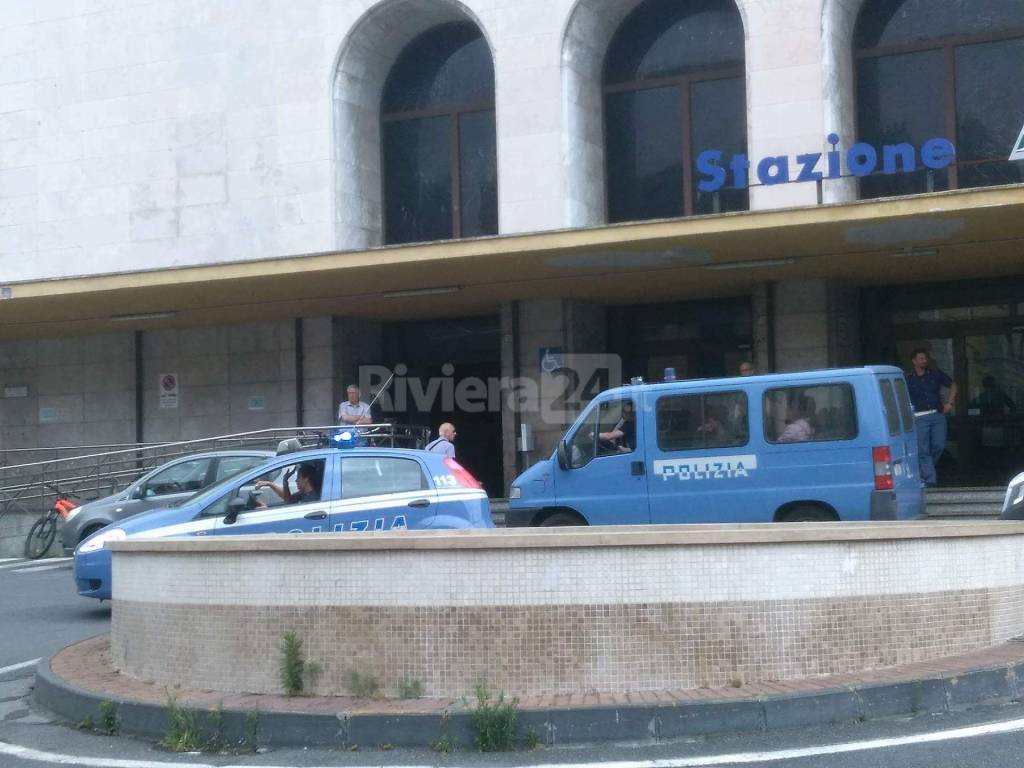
1018, 148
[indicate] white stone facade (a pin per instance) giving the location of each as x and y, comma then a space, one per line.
143, 135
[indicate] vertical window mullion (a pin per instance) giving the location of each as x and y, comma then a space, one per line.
456, 177
951, 117
687, 139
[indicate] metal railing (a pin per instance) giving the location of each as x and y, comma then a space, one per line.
97, 473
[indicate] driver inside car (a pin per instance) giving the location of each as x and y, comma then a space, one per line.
306, 483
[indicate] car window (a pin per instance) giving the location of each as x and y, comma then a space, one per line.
373, 475
711, 420
810, 414
186, 477
229, 466
906, 409
609, 429
297, 483
892, 414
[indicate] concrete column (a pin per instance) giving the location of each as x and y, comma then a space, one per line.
763, 317
817, 324
528, 327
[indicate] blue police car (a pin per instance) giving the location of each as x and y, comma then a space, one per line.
307, 491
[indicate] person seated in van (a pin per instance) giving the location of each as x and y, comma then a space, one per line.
713, 429
307, 483
798, 424
622, 437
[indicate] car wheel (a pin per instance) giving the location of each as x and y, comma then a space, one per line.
562, 518
807, 515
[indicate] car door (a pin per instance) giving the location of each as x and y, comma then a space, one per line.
602, 469
246, 509
383, 492
171, 484
703, 469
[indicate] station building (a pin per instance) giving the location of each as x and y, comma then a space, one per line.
214, 215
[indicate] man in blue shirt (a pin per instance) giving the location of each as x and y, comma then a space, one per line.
925, 387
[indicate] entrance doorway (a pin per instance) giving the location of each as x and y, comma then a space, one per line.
450, 367
975, 333
700, 339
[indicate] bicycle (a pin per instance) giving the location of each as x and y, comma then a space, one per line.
44, 530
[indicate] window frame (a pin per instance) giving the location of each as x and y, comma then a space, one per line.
948, 45
702, 395
454, 113
854, 413
343, 496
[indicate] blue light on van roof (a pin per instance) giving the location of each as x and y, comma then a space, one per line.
344, 438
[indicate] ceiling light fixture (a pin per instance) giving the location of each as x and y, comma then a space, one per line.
143, 316
422, 292
750, 264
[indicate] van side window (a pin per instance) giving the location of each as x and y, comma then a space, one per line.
610, 429
892, 414
906, 409
810, 414
717, 420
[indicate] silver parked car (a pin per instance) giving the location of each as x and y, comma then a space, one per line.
163, 487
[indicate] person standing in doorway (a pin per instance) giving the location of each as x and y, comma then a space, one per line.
353, 410
747, 369
445, 442
925, 386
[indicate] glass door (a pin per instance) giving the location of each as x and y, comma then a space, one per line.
993, 427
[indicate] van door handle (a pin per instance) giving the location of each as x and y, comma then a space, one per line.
320, 515
637, 468
420, 503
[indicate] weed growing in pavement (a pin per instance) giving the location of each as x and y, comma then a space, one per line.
215, 742
361, 685
494, 720
444, 743
183, 731
252, 724
108, 717
532, 740
292, 664
410, 688
87, 724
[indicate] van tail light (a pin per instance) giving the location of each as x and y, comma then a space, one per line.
461, 474
882, 459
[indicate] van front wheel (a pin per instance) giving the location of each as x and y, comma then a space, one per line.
807, 515
561, 518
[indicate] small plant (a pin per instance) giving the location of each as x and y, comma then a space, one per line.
313, 671
183, 731
87, 724
494, 720
361, 685
108, 717
532, 740
444, 743
216, 742
292, 664
252, 724
410, 688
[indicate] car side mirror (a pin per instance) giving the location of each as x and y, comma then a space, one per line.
563, 454
235, 508
138, 491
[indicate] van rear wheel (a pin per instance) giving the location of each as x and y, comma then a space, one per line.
561, 518
807, 515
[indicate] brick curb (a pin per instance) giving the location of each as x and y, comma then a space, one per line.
941, 692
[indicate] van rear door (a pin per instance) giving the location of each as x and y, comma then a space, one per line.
902, 444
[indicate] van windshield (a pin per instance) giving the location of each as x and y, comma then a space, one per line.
608, 430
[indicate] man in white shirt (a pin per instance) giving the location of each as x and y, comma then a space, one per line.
353, 410
443, 444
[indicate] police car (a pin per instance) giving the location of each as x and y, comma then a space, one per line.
307, 491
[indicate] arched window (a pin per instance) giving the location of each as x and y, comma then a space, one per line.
439, 142
674, 87
954, 72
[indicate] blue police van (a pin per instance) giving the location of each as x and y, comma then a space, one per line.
812, 446
307, 491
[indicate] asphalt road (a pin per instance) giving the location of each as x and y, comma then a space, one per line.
40, 613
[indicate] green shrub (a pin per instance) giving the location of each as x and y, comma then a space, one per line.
494, 720
410, 688
292, 664
108, 717
362, 685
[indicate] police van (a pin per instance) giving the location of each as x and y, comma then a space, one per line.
322, 490
812, 446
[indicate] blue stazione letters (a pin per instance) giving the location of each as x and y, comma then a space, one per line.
861, 159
